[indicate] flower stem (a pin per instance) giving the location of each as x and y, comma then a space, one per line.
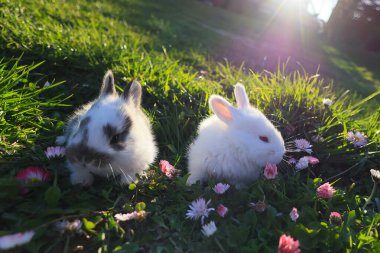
219, 245
370, 196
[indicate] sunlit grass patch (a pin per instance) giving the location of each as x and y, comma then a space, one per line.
23, 107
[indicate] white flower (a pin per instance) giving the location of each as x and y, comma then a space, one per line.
11, 241
302, 163
327, 101
198, 209
209, 229
375, 173
220, 188
53, 152
303, 145
65, 225
126, 216
294, 214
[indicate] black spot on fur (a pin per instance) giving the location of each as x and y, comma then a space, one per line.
117, 137
84, 123
83, 154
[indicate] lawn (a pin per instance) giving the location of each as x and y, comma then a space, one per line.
54, 56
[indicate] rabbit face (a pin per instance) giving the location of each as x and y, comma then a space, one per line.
262, 142
101, 135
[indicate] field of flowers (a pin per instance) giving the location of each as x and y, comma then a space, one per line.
322, 197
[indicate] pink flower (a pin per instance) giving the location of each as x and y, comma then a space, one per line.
294, 214
198, 209
33, 174
303, 145
335, 218
325, 191
203, 72
304, 162
55, 152
220, 188
221, 210
11, 241
167, 169
270, 171
288, 245
312, 160
358, 139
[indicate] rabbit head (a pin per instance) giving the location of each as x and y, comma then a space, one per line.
235, 143
249, 128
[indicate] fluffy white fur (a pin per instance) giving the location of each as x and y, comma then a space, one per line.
228, 145
140, 149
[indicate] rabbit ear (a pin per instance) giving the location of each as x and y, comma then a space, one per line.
133, 93
222, 108
108, 85
241, 96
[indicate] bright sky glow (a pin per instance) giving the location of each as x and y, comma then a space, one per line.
323, 8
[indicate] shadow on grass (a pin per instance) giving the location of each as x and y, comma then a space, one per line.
352, 74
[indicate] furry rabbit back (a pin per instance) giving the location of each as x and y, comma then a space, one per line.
110, 136
235, 143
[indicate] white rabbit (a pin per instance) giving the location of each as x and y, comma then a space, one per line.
235, 143
110, 136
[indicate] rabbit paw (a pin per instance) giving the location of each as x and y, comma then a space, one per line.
83, 178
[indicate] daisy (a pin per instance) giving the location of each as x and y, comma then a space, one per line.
270, 171
33, 174
198, 209
327, 101
294, 214
168, 169
221, 210
375, 173
302, 163
220, 188
358, 139
55, 152
288, 245
11, 241
209, 229
326, 191
303, 145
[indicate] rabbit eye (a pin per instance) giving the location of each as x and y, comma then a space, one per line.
264, 139
115, 139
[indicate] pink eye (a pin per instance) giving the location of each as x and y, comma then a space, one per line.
264, 139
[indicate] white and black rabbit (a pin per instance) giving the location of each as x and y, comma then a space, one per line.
110, 136
235, 143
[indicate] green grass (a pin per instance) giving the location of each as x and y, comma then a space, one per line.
163, 45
